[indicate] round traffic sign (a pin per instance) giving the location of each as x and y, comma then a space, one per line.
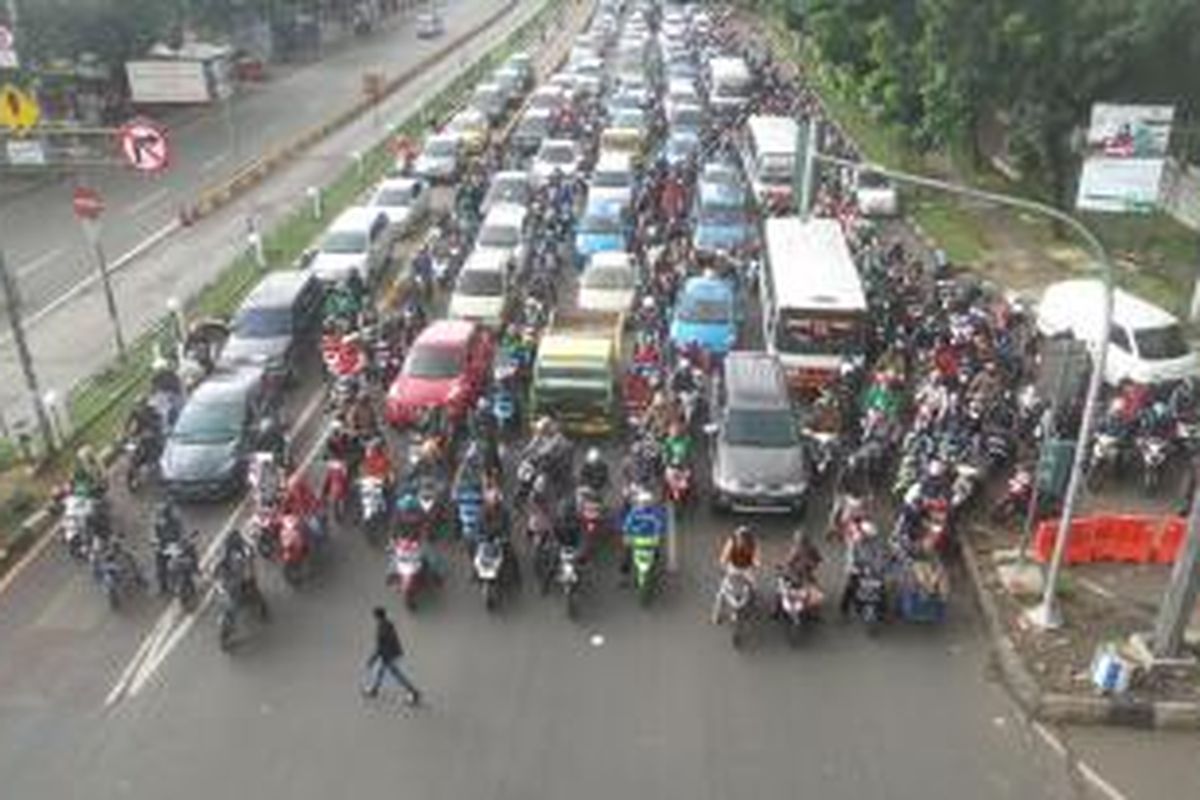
87, 202
144, 145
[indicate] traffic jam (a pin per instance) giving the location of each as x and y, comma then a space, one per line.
585, 314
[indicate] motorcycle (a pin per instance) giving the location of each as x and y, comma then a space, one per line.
736, 599
232, 594
117, 572
143, 453
967, 479
493, 567
869, 599
798, 606
1153, 451
77, 522
644, 538
408, 571
182, 567
469, 502
823, 448
504, 401
590, 508
337, 487
678, 481
1104, 460
567, 577
287, 541
1017, 493
372, 507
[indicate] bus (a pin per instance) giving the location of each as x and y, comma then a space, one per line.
814, 308
769, 154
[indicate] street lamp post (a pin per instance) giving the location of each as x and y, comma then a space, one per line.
1046, 614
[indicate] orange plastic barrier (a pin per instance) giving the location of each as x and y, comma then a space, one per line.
1080, 541
1169, 540
1124, 538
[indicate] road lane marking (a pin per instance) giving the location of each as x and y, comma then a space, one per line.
174, 624
30, 556
1095, 779
33, 266
1052, 741
147, 202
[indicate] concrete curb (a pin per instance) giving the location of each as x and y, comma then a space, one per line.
1068, 709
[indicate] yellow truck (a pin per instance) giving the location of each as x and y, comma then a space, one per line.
575, 373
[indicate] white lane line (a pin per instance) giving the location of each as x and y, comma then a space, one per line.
147, 202
1095, 779
173, 624
1052, 741
33, 266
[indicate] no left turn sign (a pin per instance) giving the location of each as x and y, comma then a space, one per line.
144, 145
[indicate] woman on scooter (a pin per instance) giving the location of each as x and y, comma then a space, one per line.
739, 555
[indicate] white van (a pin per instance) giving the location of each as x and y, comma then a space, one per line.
729, 84
1145, 345
481, 290
503, 230
769, 155
359, 241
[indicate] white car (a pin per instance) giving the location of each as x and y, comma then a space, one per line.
1145, 345
481, 289
441, 158
609, 283
359, 241
503, 230
508, 186
556, 155
404, 200
613, 179
876, 196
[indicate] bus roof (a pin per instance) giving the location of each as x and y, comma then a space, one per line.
811, 266
773, 134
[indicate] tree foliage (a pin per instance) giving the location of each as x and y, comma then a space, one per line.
939, 67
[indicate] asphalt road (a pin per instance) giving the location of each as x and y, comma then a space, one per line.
625, 702
67, 324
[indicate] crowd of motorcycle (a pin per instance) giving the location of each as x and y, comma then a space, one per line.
943, 406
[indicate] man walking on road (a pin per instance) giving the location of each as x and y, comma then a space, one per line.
384, 657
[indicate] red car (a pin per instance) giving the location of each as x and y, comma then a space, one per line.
448, 365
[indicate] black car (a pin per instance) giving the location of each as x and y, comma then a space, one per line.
207, 450
535, 126
276, 318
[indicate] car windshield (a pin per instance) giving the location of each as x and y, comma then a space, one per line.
510, 192
760, 428
440, 147
628, 118
428, 361
344, 242
260, 322
208, 423
722, 215
499, 236
559, 154
600, 223
608, 278
688, 118
611, 179
480, 283
394, 198
706, 310
1159, 344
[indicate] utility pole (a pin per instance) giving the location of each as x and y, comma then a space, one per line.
1180, 599
12, 302
91, 230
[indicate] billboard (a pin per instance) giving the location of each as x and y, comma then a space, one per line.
1125, 152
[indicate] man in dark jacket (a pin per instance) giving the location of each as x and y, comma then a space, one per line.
384, 658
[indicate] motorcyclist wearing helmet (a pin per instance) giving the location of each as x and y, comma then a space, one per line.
594, 472
377, 462
642, 518
168, 528
301, 501
683, 378
867, 555
799, 569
